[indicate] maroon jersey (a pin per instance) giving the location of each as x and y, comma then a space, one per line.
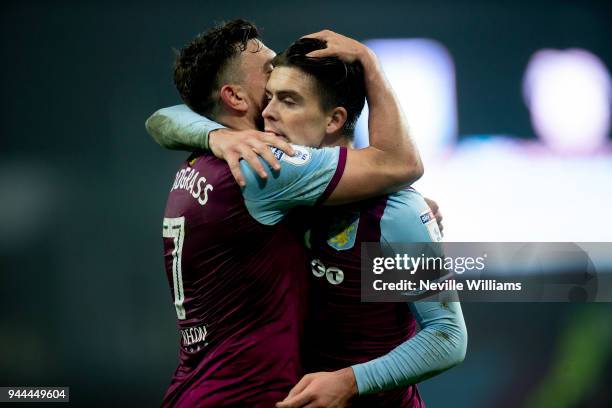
238, 289
341, 330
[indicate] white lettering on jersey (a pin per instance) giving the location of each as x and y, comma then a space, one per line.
188, 179
193, 335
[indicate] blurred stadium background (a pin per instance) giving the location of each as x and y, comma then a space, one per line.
510, 103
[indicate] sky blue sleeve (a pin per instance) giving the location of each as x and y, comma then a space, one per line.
407, 218
442, 341
180, 128
306, 178
439, 345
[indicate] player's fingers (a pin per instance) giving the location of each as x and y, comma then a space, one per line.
299, 387
233, 161
250, 157
432, 204
439, 219
323, 52
264, 151
296, 401
319, 34
278, 142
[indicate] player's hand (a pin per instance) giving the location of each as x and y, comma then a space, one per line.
233, 145
345, 48
324, 389
436, 211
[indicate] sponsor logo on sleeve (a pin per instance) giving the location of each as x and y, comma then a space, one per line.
428, 219
301, 157
278, 153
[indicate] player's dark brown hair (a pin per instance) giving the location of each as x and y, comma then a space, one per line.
201, 66
338, 83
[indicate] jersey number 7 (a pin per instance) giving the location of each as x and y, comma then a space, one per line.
175, 228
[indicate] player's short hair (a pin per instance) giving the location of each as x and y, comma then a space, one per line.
203, 66
338, 83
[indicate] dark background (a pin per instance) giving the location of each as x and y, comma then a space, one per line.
85, 301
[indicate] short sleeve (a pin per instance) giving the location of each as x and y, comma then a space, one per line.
305, 179
408, 218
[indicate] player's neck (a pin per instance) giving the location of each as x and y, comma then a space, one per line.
337, 140
236, 122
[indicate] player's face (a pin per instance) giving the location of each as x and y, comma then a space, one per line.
256, 66
293, 109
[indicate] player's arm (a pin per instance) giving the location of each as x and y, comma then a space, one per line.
305, 179
392, 159
442, 341
440, 345
331, 176
179, 128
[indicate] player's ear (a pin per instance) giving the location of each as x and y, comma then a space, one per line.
337, 119
234, 97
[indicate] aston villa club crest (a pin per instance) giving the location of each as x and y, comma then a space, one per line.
343, 232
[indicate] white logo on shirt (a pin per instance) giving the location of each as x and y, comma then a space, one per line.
193, 335
300, 158
334, 275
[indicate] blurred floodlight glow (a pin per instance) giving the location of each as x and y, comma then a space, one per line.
503, 189
568, 94
500, 188
422, 74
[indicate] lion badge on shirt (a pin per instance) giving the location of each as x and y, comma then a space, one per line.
343, 232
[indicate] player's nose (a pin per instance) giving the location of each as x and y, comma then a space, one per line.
269, 111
